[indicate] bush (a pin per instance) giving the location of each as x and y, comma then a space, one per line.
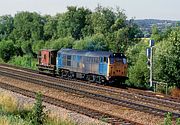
178, 121
26, 61
7, 50
38, 116
168, 119
138, 72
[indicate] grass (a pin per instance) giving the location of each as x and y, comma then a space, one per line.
12, 114
8, 103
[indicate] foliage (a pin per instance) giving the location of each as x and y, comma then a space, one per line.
138, 72
155, 34
6, 26
168, 119
12, 113
57, 44
50, 28
102, 20
12, 120
72, 22
7, 50
133, 51
26, 61
120, 41
178, 121
96, 42
38, 116
26, 47
37, 46
167, 59
28, 26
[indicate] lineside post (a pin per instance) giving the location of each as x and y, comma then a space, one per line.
150, 61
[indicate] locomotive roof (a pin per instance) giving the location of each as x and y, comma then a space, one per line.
85, 52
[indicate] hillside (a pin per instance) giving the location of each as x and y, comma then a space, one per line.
146, 24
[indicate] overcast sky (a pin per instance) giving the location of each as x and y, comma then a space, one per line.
140, 9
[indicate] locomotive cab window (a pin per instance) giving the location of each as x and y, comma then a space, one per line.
111, 60
68, 60
124, 60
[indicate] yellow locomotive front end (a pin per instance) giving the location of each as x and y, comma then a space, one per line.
117, 68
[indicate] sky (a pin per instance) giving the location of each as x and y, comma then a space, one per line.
138, 9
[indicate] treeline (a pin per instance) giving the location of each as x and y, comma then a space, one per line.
106, 29
80, 28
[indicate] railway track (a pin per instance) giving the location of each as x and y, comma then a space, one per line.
100, 97
171, 104
107, 88
114, 120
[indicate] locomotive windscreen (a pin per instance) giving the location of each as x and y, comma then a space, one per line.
118, 57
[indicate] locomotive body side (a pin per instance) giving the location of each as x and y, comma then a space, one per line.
95, 66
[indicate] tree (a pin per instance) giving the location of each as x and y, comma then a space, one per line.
50, 28
134, 30
102, 20
155, 33
120, 41
37, 46
28, 26
72, 22
66, 42
26, 47
7, 50
96, 42
167, 59
6, 26
138, 72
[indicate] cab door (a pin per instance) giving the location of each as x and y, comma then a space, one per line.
103, 65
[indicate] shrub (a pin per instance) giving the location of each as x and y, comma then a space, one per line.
178, 121
168, 119
25, 61
38, 116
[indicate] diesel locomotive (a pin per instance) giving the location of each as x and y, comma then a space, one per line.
94, 66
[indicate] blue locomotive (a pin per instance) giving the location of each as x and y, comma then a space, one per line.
95, 66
